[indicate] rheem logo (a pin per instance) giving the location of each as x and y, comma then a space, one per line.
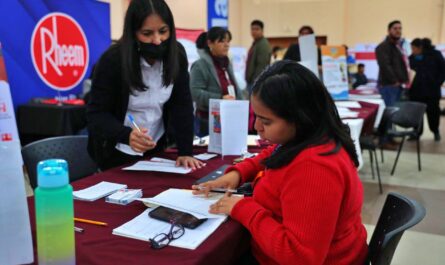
59, 51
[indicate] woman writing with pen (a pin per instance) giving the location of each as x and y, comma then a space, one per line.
143, 76
307, 196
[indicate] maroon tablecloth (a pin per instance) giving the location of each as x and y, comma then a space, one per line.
367, 112
97, 245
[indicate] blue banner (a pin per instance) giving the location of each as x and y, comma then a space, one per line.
49, 46
217, 13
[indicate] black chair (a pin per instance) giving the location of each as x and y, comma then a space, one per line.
71, 148
410, 116
399, 213
371, 142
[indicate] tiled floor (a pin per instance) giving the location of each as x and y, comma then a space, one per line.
424, 243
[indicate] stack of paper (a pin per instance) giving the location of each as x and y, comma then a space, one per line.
124, 196
159, 165
144, 227
185, 201
97, 191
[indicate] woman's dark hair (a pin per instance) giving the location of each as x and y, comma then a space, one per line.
201, 41
417, 42
425, 44
306, 28
137, 12
217, 34
295, 94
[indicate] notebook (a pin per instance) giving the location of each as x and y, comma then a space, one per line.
98, 191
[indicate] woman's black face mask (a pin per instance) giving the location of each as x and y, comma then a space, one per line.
153, 51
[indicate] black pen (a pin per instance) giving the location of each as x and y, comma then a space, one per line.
220, 190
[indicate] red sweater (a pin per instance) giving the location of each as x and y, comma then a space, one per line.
307, 212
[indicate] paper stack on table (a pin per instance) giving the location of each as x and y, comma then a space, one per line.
159, 165
185, 201
143, 227
98, 191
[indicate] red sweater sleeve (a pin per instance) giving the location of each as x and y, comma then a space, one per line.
251, 166
310, 204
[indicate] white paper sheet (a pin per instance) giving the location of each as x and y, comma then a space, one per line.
98, 191
201, 141
185, 201
205, 156
159, 165
346, 113
143, 227
308, 52
234, 125
355, 126
347, 104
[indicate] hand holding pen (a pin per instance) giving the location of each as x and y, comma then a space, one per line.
139, 140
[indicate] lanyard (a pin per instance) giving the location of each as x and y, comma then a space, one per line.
227, 76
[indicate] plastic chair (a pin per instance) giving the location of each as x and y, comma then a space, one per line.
399, 213
370, 142
71, 148
410, 116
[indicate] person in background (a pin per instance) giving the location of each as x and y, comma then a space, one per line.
429, 65
293, 52
275, 51
145, 76
359, 78
393, 71
307, 196
212, 76
201, 43
259, 53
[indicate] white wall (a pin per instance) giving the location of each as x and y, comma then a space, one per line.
343, 21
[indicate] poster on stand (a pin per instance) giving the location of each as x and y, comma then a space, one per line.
335, 73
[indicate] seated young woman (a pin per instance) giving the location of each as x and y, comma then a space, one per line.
307, 196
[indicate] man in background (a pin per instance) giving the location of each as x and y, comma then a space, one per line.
259, 53
393, 67
359, 78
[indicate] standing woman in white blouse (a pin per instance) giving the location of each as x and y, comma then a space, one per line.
144, 76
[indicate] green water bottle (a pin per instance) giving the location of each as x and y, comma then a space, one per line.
54, 214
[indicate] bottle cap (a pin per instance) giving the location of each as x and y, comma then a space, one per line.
52, 173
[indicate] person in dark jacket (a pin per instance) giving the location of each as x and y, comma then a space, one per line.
359, 78
293, 52
259, 53
393, 72
429, 65
143, 76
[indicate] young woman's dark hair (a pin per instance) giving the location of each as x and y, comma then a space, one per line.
137, 12
296, 95
217, 34
201, 41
